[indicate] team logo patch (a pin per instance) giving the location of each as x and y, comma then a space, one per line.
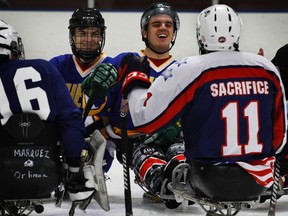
147, 150
222, 39
28, 163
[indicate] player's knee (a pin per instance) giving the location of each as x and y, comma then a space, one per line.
176, 152
148, 165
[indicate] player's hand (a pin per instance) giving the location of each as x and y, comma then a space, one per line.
103, 77
165, 137
261, 52
80, 185
133, 71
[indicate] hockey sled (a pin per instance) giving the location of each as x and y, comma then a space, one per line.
283, 190
30, 167
183, 194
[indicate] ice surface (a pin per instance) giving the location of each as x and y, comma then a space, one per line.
117, 206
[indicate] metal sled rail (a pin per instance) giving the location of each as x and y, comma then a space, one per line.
182, 192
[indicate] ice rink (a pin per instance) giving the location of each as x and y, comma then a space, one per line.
117, 207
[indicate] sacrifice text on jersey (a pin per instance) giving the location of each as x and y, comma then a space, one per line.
239, 88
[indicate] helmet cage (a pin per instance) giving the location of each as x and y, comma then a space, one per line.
84, 18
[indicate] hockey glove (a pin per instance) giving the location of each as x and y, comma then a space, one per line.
133, 72
80, 186
103, 77
88, 180
97, 145
165, 137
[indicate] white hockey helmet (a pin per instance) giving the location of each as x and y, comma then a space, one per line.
218, 28
10, 42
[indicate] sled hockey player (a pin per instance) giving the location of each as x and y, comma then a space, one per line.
38, 117
87, 32
154, 154
280, 62
231, 104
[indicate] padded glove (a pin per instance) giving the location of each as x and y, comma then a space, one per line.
166, 136
103, 77
80, 187
133, 71
88, 180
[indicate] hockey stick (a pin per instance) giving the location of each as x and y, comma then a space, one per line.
125, 158
84, 116
89, 103
275, 188
91, 99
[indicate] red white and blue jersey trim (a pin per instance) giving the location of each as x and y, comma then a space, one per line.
231, 105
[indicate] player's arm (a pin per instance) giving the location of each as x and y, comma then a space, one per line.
81, 184
146, 103
97, 85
